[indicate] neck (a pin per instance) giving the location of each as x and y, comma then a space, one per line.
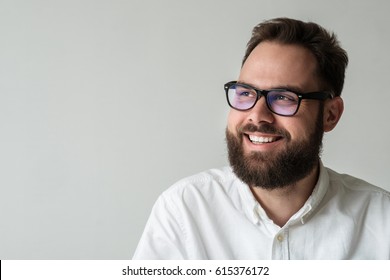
282, 203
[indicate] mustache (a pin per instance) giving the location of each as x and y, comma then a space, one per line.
264, 128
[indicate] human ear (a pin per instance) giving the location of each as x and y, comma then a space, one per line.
333, 109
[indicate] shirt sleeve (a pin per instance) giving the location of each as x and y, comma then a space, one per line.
163, 237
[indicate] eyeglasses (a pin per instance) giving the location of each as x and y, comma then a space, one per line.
283, 102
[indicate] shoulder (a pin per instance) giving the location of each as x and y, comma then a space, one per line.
355, 186
218, 179
211, 188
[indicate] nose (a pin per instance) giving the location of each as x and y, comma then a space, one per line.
260, 112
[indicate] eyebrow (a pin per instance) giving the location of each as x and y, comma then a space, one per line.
287, 87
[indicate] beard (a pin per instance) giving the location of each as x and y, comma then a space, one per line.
275, 170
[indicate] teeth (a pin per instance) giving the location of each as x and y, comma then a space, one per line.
257, 139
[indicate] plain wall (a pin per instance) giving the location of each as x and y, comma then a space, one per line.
105, 104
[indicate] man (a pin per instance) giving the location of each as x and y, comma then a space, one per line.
277, 200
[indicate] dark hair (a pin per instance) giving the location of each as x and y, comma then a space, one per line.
332, 60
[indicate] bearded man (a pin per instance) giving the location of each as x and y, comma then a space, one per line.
276, 200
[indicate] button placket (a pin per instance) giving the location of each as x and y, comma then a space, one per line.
280, 246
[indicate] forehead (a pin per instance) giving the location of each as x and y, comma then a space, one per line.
273, 64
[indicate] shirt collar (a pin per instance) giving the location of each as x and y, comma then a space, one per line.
255, 212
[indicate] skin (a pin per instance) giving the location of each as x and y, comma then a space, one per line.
275, 65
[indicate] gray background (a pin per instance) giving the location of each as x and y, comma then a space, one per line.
104, 104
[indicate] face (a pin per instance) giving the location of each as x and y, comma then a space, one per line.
267, 150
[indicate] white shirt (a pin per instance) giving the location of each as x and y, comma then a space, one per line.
214, 215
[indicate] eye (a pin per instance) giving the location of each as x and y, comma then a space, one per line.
244, 92
284, 97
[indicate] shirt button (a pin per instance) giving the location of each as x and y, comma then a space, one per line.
280, 238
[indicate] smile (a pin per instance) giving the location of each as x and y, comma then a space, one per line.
262, 140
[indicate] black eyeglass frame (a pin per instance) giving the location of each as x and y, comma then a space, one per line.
315, 95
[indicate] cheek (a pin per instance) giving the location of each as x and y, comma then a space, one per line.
234, 119
302, 129
303, 125
298, 132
